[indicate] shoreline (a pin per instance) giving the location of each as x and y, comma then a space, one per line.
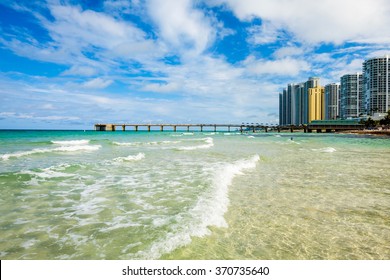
367, 132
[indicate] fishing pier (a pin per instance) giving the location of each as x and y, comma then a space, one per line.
315, 126
187, 127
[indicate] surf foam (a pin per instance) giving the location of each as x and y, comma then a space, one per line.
209, 142
71, 142
145, 143
137, 157
72, 148
209, 211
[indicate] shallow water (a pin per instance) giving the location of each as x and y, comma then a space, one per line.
140, 195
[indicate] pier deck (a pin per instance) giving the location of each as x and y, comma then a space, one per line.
238, 127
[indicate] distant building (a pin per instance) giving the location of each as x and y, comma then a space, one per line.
295, 93
377, 84
313, 82
294, 102
352, 101
285, 106
332, 101
316, 103
281, 109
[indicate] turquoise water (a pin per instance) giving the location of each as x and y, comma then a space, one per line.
140, 195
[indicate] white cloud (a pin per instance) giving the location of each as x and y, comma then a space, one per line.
81, 71
89, 27
88, 41
289, 52
48, 106
34, 117
181, 25
265, 33
161, 87
97, 83
334, 21
284, 67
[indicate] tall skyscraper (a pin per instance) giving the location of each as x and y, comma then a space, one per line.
351, 96
313, 82
377, 84
332, 101
295, 92
281, 109
316, 103
294, 102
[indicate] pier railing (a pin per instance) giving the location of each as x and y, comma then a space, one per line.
162, 127
238, 127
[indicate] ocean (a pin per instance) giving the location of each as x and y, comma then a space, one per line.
193, 195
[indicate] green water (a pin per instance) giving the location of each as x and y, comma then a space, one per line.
127, 195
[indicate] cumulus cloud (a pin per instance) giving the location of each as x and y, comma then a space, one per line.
80, 28
181, 25
84, 39
331, 21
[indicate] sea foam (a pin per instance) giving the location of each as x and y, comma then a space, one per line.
208, 211
209, 142
137, 157
153, 143
71, 148
71, 142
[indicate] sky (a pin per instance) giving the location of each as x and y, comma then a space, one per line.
70, 64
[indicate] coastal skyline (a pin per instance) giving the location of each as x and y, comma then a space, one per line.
70, 64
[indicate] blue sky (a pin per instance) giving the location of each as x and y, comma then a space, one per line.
70, 64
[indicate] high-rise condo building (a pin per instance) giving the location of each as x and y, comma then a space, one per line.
295, 92
294, 102
377, 84
352, 103
285, 106
316, 103
281, 109
332, 101
313, 82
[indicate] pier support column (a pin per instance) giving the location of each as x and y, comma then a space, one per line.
123, 127
110, 127
149, 128
174, 128
100, 127
319, 130
228, 128
201, 128
266, 129
188, 128
291, 129
215, 128
161, 128
136, 128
